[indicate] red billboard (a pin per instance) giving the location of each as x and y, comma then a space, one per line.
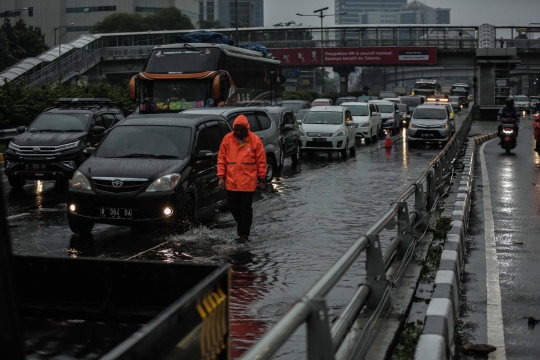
357, 56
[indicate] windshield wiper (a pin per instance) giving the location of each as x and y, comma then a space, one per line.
149, 156
194, 49
51, 130
72, 130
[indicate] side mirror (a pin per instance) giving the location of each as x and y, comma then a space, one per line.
299, 122
21, 129
288, 127
373, 113
204, 154
397, 111
98, 129
88, 152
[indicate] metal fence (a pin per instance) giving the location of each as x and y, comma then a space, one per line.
324, 341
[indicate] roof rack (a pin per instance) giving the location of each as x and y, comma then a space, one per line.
84, 101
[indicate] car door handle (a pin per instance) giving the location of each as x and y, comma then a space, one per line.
261, 137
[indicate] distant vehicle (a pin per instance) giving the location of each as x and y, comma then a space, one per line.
532, 101
455, 101
289, 133
427, 87
404, 114
413, 101
150, 170
260, 123
328, 128
430, 123
389, 113
52, 146
521, 102
341, 100
461, 90
387, 94
296, 105
322, 102
366, 120
394, 100
441, 100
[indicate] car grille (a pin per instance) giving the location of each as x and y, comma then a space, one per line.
319, 144
316, 134
37, 151
123, 185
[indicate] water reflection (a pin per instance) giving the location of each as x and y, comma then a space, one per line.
404, 147
39, 194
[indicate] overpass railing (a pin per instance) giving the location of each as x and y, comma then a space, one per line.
323, 340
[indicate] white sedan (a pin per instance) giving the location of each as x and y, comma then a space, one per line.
366, 120
328, 128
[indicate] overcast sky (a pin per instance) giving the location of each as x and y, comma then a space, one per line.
464, 12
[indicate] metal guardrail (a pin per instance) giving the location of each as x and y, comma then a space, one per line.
322, 340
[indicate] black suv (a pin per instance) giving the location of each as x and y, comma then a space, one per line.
51, 147
150, 170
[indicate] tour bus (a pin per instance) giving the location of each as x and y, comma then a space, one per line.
427, 87
461, 90
185, 76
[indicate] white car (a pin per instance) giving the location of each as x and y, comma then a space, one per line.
389, 114
521, 102
328, 128
366, 120
394, 100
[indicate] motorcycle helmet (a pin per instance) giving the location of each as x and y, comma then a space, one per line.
509, 102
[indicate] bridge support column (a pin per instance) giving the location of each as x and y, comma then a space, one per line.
343, 72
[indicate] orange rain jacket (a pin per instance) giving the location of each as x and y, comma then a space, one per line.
241, 164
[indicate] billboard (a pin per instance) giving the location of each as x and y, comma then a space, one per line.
359, 56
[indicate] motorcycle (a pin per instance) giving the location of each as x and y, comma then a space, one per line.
536, 130
508, 134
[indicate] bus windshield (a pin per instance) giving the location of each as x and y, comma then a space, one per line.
425, 86
182, 60
172, 95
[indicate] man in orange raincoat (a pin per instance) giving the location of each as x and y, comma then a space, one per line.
241, 170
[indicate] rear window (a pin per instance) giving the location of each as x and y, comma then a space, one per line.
358, 110
324, 117
435, 114
385, 108
402, 107
295, 107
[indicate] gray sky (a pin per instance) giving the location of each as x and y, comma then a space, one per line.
464, 12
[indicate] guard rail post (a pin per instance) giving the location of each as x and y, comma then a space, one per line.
420, 202
404, 235
431, 188
375, 271
439, 177
319, 339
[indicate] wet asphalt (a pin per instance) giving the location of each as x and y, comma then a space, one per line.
515, 196
303, 222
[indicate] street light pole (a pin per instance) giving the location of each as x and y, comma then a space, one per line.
322, 16
59, 28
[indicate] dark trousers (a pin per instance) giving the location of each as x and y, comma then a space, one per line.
239, 203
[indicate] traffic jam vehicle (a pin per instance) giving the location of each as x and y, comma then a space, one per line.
150, 170
366, 120
52, 146
389, 113
430, 124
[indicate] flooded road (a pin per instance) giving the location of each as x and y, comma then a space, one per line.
302, 224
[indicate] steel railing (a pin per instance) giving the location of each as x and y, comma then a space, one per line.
324, 341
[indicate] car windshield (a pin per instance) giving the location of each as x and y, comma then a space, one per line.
295, 107
402, 107
521, 98
301, 114
383, 108
358, 110
424, 86
324, 117
454, 98
60, 122
411, 101
162, 142
432, 114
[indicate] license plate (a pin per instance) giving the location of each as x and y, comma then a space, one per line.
427, 135
115, 213
319, 139
34, 167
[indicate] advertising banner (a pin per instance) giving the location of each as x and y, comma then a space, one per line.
360, 56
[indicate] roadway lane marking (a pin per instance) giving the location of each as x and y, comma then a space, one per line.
145, 251
16, 216
495, 327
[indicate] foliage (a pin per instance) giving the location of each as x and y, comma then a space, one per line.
19, 106
373, 77
19, 42
165, 19
442, 227
408, 340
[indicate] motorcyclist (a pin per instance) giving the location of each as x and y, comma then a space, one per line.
508, 111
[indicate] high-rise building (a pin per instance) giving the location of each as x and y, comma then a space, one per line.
83, 14
357, 8
222, 13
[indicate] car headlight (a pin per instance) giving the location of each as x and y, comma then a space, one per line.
412, 126
364, 124
68, 146
340, 133
447, 126
79, 181
164, 183
13, 146
390, 117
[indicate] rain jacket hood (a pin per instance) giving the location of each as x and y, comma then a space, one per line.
241, 164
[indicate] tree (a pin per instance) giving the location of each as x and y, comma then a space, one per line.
372, 77
19, 42
164, 19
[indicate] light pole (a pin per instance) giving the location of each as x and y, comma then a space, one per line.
60, 40
322, 16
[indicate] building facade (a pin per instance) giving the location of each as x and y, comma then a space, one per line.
83, 14
222, 13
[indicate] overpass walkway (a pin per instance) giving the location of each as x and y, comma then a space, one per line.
66, 61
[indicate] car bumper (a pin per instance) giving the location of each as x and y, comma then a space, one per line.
428, 135
40, 171
146, 208
331, 143
362, 132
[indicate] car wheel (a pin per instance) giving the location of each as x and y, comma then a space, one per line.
352, 151
370, 139
296, 155
270, 168
187, 212
345, 152
80, 227
15, 182
281, 158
